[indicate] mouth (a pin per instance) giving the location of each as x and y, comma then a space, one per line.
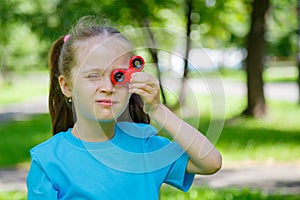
105, 102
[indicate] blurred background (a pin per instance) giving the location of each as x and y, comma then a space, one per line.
228, 67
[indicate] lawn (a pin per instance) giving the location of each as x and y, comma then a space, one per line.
241, 138
274, 138
18, 137
24, 87
195, 193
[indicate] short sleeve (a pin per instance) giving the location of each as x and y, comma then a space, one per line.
177, 175
38, 184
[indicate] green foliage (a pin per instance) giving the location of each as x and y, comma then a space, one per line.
282, 24
29, 27
20, 48
221, 23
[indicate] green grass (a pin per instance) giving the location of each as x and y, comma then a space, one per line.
270, 74
275, 138
15, 195
280, 74
17, 137
24, 87
203, 193
229, 74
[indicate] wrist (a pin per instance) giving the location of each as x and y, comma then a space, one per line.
150, 110
158, 113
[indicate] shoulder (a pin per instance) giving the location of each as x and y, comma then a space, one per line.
49, 145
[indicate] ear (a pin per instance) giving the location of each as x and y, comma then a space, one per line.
64, 86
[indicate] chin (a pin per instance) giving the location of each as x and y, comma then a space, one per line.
106, 120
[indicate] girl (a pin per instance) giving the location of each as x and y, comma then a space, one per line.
103, 146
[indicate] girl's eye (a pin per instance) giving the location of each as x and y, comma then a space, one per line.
94, 76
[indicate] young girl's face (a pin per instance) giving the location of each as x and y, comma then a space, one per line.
94, 95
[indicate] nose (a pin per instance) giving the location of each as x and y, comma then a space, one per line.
105, 85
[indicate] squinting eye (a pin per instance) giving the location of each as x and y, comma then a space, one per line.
94, 76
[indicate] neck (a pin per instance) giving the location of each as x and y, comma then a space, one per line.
94, 131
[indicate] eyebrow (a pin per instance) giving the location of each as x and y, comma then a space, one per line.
97, 69
93, 70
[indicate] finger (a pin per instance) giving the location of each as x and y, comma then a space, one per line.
147, 97
144, 86
142, 77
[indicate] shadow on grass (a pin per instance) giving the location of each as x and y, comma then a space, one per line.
204, 193
245, 138
241, 139
18, 137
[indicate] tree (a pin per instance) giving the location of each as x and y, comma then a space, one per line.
188, 13
143, 14
255, 60
298, 57
216, 24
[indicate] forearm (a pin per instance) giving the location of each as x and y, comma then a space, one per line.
205, 159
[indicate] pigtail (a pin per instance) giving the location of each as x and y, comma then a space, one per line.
60, 109
61, 61
136, 110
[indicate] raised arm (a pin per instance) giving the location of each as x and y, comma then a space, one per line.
204, 158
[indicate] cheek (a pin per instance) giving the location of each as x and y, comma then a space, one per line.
84, 95
123, 93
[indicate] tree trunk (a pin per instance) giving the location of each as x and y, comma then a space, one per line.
255, 60
187, 50
153, 51
298, 58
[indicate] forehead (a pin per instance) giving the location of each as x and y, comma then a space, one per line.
102, 52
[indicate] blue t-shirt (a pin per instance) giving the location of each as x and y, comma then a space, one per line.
132, 165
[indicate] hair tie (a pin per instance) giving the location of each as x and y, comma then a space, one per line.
66, 38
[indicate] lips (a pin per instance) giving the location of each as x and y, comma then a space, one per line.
105, 102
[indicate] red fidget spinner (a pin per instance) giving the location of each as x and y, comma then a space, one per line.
122, 76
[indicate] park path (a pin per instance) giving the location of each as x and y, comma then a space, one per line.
269, 177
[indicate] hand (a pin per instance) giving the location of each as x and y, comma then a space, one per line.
147, 87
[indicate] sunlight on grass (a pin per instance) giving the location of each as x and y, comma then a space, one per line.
273, 138
24, 87
204, 193
280, 74
13, 195
270, 74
